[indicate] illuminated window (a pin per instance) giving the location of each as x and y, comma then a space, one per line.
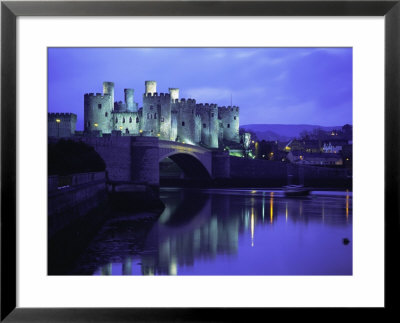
99, 106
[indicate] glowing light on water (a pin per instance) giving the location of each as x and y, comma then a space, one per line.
271, 202
286, 213
252, 226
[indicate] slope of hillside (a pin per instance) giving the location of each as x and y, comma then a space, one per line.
282, 132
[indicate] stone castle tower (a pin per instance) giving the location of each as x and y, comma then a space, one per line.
163, 115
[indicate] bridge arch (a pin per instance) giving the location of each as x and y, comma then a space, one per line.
190, 164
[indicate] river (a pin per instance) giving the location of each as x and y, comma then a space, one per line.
228, 232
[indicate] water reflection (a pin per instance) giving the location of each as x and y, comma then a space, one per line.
224, 232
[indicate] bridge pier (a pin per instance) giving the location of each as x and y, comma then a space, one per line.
144, 161
220, 165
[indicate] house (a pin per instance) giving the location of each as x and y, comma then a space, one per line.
324, 159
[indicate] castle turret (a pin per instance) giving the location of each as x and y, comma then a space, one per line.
229, 117
186, 124
97, 112
174, 93
130, 105
108, 88
151, 87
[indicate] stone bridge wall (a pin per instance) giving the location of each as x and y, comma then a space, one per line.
72, 196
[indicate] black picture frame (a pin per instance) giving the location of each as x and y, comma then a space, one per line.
10, 10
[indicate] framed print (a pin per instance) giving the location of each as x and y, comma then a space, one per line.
257, 169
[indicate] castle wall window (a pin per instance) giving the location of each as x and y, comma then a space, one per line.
204, 125
99, 106
148, 116
155, 115
137, 119
106, 114
183, 123
228, 125
130, 119
162, 119
126, 131
116, 120
212, 115
88, 124
234, 118
123, 120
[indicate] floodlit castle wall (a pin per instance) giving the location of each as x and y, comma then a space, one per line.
98, 112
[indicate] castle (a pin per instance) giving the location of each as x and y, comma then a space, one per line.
163, 115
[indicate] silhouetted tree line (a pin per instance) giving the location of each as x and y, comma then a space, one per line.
68, 157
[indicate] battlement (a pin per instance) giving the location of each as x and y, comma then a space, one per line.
190, 101
61, 114
97, 95
229, 108
155, 94
206, 106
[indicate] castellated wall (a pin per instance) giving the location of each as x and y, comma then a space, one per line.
127, 122
61, 124
163, 115
119, 106
98, 112
186, 120
209, 124
229, 117
157, 115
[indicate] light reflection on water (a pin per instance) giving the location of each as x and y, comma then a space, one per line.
230, 232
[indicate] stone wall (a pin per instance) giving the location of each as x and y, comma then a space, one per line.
61, 125
273, 173
116, 153
73, 196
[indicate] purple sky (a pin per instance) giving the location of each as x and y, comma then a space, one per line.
270, 85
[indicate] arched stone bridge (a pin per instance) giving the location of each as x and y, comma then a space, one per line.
136, 159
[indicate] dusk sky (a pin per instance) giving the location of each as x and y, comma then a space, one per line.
270, 85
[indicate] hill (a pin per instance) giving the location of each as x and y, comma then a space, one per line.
282, 132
